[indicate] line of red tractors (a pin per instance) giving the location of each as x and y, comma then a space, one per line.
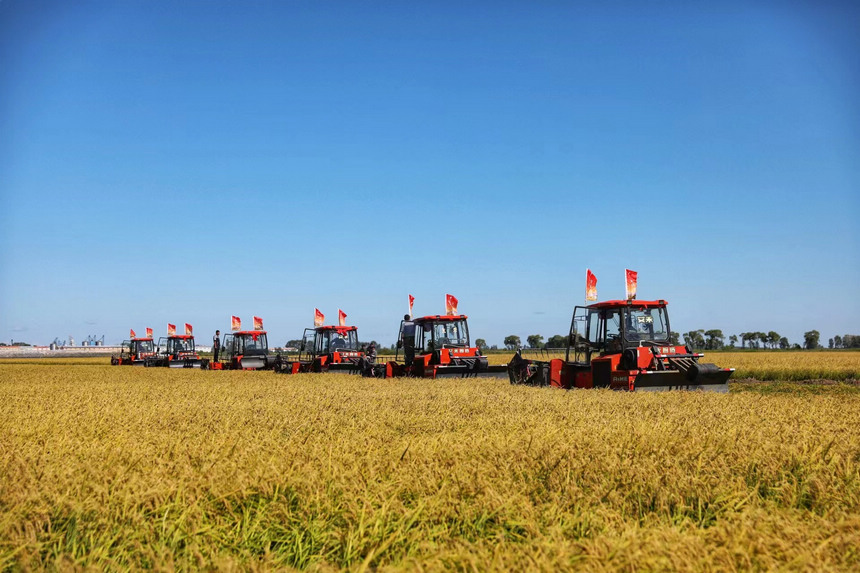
617, 344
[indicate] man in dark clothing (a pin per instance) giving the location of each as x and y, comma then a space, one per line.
408, 340
216, 345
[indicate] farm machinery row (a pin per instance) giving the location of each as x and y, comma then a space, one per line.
172, 351
436, 346
616, 344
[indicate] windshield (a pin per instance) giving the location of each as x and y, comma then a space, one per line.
646, 324
344, 340
176, 345
143, 346
252, 343
445, 334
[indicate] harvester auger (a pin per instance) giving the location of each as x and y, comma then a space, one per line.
134, 352
244, 350
177, 351
622, 345
325, 349
439, 348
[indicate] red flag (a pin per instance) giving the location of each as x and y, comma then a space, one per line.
171, 329
237, 323
131, 331
632, 277
341, 317
411, 300
451, 304
319, 317
148, 332
189, 331
258, 323
590, 285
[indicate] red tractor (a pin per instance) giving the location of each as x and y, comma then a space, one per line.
325, 349
178, 352
437, 347
134, 352
244, 350
622, 345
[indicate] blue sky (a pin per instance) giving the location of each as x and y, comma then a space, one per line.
164, 163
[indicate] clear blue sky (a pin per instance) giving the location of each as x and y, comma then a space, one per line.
183, 162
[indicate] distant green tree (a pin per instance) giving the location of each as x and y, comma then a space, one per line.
512, 341
810, 339
481, 343
556, 341
837, 341
534, 340
773, 339
830, 343
715, 339
733, 340
783, 343
695, 338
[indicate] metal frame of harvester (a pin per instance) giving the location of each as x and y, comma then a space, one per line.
622, 345
442, 349
244, 350
134, 352
325, 349
178, 352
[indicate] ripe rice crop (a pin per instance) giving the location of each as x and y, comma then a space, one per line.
121, 467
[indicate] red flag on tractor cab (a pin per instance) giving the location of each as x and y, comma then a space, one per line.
237, 323
171, 329
451, 304
411, 301
590, 285
632, 277
131, 332
148, 332
319, 317
258, 323
341, 317
188, 330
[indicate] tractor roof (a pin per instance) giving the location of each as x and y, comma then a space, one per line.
141, 339
629, 303
248, 332
182, 336
440, 318
339, 329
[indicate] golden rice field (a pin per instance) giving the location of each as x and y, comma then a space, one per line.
117, 467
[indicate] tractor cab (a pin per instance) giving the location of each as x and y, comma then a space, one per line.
177, 352
135, 352
615, 326
439, 332
330, 339
244, 350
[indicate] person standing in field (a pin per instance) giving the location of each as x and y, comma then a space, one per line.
408, 340
216, 345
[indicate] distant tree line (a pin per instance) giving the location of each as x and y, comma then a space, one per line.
844, 341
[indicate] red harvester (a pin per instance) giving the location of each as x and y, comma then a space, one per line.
622, 345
